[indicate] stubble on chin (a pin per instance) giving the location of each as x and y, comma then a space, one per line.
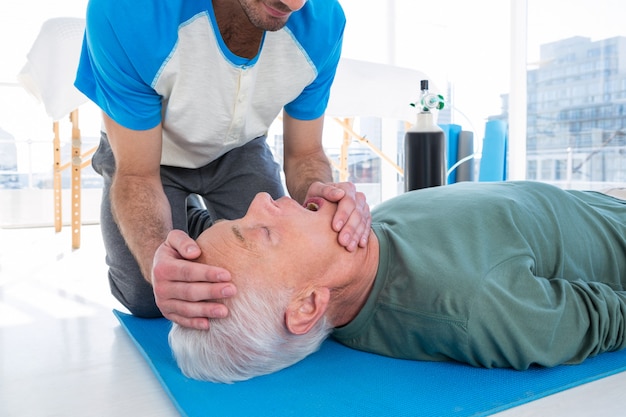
262, 20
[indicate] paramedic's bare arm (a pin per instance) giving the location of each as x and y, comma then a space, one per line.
308, 173
143, 214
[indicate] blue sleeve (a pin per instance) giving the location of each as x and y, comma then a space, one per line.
323, 47
109, 72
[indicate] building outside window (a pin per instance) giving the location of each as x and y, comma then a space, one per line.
573, 114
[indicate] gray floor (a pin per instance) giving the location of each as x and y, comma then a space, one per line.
62, 352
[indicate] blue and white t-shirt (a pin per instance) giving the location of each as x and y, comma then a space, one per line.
146, 62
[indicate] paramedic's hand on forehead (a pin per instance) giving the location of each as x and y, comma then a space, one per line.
185, 291
353, 218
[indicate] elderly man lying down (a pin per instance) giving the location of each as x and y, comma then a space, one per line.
491, 274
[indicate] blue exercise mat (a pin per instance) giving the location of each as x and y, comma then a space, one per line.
338, 381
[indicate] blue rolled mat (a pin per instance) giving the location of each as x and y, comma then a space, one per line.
452, 132
338, 381
495, 145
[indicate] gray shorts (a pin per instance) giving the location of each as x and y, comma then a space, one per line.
227, 186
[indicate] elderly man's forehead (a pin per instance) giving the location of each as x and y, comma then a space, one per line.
224, 245
208, 241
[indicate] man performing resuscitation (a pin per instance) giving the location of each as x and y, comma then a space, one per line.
510, 274
188, 92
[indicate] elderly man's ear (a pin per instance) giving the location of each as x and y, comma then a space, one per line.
306, 309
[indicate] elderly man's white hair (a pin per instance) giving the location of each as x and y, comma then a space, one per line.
252, 341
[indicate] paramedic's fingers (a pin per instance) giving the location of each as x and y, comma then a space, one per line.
353, 218
185, 290
355, 232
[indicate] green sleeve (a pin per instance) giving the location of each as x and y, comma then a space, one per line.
519, 319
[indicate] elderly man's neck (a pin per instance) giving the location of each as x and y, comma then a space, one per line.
347, 302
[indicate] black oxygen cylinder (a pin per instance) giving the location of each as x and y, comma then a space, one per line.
425, 162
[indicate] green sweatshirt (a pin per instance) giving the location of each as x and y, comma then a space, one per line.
496, 275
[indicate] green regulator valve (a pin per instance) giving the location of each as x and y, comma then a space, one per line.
429, 100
